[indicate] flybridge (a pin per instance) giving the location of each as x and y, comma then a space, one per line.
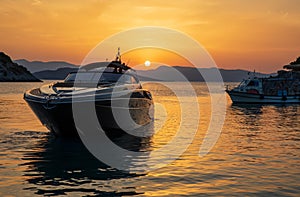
116, 64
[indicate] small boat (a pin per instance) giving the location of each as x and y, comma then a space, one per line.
112, 88
282, 88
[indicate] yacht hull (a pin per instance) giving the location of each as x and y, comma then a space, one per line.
58, 117
242, 97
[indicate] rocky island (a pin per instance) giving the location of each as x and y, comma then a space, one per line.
13, 72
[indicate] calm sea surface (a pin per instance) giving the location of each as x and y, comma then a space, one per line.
257, 154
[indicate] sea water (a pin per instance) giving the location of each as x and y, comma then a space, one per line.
257, 153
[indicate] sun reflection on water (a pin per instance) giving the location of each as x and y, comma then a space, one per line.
257, 154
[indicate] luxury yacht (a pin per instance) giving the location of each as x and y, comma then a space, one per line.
282, 88
113, 89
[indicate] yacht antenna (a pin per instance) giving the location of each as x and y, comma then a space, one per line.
118, 56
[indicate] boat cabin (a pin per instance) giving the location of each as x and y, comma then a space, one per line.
251, 85
101, 78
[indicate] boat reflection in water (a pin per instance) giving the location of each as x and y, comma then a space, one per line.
64, 166
259, 119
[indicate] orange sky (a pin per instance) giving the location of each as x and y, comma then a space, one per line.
261, 35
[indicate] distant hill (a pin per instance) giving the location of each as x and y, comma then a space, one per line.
162, 73
57, 74
11, 72
61, 72
192, 74
37, 66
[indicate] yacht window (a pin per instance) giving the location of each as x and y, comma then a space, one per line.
107, 77
80, 77
243, 83
127, 79
133, 80
253, 83
92, 77
70, 77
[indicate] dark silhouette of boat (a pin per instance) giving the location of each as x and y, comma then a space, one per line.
282, 88
113, 89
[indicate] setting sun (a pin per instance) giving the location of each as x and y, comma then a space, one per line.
72, 29
147, 63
